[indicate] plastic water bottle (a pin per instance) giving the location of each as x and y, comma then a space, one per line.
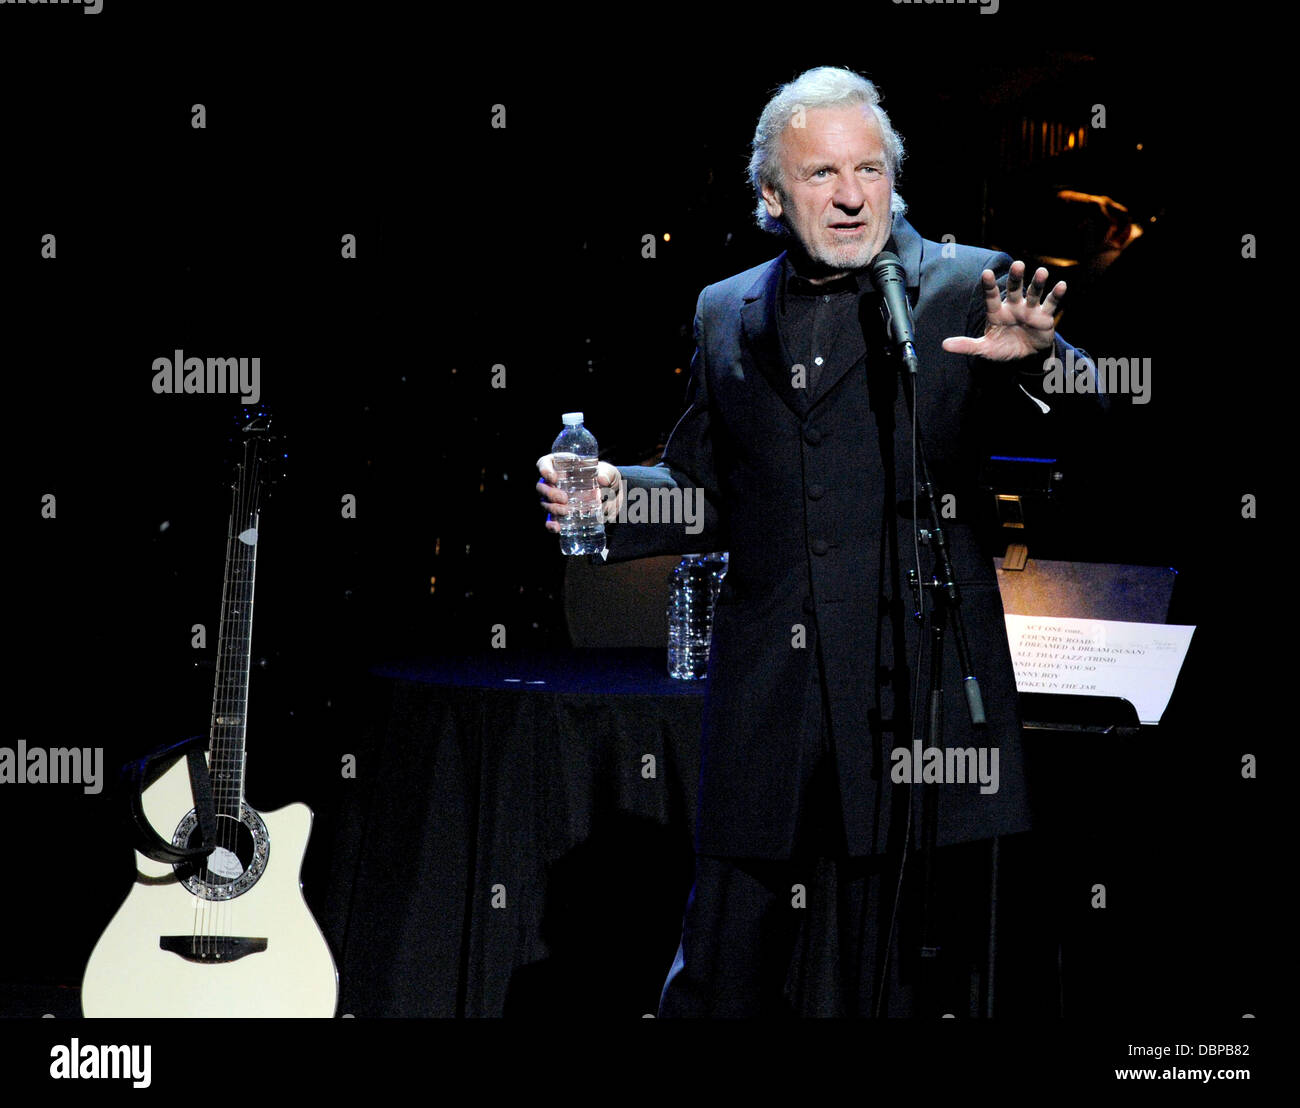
582, 531
692, 593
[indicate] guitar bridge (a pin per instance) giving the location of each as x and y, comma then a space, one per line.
211, 950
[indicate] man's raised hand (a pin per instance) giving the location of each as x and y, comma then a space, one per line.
1015, 326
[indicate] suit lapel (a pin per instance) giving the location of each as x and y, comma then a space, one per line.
907, 243
910, 254
762, 337
850, 350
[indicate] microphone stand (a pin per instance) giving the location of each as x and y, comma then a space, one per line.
945, 612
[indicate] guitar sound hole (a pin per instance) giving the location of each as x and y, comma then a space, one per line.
233, 866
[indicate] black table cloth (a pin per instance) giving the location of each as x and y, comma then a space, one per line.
519, 837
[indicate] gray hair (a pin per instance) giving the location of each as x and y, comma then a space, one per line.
824, 87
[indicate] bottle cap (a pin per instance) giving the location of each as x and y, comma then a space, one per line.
571, 419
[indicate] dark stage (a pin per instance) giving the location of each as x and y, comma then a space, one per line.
434, 242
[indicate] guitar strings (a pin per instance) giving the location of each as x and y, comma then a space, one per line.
214, 922
202, 905
206, 909
247, 553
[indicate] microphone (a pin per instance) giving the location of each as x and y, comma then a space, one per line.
891, 282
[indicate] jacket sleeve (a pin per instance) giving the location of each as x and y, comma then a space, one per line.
1024, 407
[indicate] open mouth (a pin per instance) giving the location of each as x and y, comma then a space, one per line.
848, 228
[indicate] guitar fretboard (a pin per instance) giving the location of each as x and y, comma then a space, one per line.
235, 642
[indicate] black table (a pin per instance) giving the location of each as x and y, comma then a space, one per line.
518, 836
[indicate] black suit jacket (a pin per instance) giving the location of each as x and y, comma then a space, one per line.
804, 490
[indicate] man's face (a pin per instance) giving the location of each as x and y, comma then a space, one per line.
836, 187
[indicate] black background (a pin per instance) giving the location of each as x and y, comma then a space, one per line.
522, 247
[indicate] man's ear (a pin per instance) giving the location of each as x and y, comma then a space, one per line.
772, 200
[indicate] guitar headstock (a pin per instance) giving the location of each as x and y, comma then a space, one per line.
254, 421
261, 449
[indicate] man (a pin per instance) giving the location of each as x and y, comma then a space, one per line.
800, 438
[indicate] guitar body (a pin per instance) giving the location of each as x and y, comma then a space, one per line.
207, 972
226, 932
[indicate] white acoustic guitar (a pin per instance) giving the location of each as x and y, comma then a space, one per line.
227, 932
